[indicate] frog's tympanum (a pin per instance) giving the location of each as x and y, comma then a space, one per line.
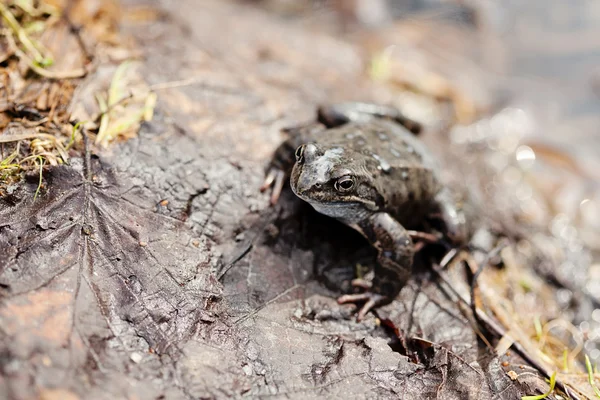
363, 165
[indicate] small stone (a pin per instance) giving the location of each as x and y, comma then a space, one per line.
12, 366
87, 229
247, 369
136, 357
251, 352
298, 313
512, 375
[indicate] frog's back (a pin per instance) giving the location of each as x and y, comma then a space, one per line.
400, 165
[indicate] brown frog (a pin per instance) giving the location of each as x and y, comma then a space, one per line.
363, 165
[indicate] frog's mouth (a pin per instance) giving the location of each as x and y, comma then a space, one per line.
349, 211
314, 198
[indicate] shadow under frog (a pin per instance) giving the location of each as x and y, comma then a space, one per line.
361, 166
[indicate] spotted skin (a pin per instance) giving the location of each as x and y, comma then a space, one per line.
363, 165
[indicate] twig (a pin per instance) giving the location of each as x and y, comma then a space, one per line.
268, 218
493, 253
175, 84
241, 255
25, 136
109, 108
433, 344
75, 30
87, 160
448, 257
451, 257
274, 299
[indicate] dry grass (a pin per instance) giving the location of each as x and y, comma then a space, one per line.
531, 318
45, 62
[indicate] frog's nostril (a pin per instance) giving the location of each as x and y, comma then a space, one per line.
300, 154
310, 151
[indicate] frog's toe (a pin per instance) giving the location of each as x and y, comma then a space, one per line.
362, 283
269, 179
275, 179
371, 299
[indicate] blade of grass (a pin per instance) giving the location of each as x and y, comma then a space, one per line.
124, 125
11, 157
588, 367
73, 132
114, 96
18, 30
149, 106
33, 157
115, 91
8, 166
37, 191
538, 327
41, 9
35, 66
543, 396
381, 65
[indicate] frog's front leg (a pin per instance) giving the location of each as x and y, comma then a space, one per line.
394, 261
342, 113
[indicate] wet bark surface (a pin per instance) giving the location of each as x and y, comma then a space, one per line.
156, 269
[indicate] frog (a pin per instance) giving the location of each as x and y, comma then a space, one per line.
365, 165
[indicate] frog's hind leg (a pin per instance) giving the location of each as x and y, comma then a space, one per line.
342, 113
452, 216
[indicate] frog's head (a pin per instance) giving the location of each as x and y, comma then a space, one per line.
336, 182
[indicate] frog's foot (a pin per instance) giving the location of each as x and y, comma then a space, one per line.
371, 299
422, 238
275, 179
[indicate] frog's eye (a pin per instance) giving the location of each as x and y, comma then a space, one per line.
344, 184
300, 154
